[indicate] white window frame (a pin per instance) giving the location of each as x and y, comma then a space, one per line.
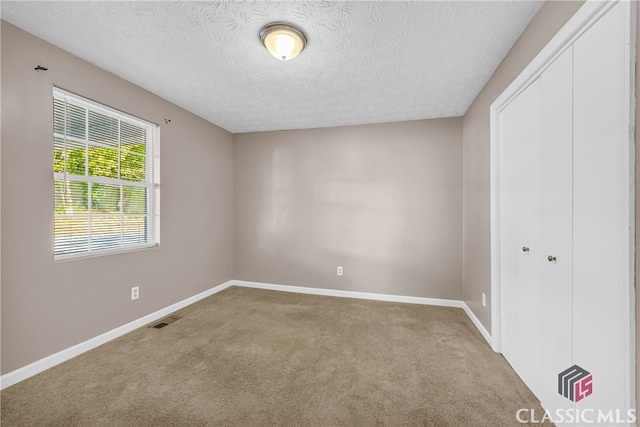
152, 174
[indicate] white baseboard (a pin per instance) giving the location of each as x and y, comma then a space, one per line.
38, 366
351, 294
41, 365
477, 323
371, 296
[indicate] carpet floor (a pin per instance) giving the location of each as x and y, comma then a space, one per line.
250, 357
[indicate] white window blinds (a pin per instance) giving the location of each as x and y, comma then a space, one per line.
104, 179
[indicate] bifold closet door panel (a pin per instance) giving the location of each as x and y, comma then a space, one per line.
556, 139
509, 249
598, 213
528, 219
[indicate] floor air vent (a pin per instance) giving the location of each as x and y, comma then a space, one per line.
165, 322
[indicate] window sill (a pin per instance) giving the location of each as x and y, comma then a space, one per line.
83, 255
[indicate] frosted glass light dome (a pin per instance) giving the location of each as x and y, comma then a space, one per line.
283, 41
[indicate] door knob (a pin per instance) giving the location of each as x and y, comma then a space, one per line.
551, 258
525, 249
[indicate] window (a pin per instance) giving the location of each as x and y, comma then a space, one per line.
104, 166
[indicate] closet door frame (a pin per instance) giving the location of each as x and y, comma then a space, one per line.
586, 16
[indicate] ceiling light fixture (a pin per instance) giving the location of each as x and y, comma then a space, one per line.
282, 40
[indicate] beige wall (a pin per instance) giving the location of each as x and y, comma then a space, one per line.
476, 235
48, 306
383, 201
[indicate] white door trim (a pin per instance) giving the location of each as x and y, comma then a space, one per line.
584, 18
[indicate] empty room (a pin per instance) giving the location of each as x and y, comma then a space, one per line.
318, 213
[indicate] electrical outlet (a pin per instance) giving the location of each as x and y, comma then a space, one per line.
135, 292
484, 299
339, 271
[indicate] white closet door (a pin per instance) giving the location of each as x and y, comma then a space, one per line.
528, 232
600, 162
556, 144
509, 249
521, 217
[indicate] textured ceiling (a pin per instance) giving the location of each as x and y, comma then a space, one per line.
365, 62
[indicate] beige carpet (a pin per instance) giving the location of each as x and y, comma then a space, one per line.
248, 357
